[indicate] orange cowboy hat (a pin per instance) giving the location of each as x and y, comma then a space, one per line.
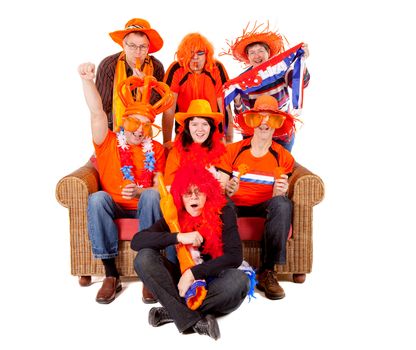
199, 108
266, 105
273, 40
139, 25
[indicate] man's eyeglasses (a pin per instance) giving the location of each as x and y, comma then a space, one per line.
131, 124
254, 119
134, 47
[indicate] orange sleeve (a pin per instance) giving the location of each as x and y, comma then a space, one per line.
159, 157
218, 83
226, 161
172, 165
173, 77
286, 159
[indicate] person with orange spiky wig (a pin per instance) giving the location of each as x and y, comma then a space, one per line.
128, 162
208, 223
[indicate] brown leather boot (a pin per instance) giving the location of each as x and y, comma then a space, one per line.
147, 296
107, 292
269, 284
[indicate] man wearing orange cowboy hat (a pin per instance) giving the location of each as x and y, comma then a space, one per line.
254, 48
138, 40
128, 162
262, 190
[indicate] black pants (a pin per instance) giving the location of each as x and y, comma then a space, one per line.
225, 292
278, 214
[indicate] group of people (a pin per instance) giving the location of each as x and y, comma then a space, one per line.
210, 180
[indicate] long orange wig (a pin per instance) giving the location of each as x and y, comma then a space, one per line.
195, 42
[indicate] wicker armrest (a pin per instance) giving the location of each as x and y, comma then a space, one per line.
75, 187
305, 188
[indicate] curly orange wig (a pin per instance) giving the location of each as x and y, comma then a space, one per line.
194, 42
209, 223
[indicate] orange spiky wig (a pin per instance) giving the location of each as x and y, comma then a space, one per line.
195, 42
209, 223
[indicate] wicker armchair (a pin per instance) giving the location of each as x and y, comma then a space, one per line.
305, 190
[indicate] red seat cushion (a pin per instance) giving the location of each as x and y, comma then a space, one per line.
127, 228
250, 229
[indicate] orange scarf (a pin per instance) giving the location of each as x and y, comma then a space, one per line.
119, 76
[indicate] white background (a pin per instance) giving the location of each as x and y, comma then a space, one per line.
358, 135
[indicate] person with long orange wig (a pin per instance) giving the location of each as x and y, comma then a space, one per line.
129, 163
195, 74
208, 223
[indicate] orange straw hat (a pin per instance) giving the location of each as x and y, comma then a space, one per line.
139, 25
139, 103
272, 39
266, 105
199, 108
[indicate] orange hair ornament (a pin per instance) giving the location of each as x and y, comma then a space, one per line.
135, 93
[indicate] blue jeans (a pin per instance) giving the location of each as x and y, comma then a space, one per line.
278, 214
225, 294
101, 213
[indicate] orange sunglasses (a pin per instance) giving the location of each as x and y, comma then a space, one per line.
254, 119
131, 124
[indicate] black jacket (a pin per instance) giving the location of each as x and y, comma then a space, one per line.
158, 236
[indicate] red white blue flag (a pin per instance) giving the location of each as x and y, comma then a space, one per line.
273, 69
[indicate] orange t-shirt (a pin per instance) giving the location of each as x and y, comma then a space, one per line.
111, 177
196, 86
257, 185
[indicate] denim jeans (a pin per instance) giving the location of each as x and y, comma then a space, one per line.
225, 292
278, 214
101, 213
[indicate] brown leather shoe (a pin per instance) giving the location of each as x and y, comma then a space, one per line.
147, 296
269, 284
107, 292
84, 281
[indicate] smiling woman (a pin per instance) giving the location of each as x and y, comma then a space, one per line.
199, 140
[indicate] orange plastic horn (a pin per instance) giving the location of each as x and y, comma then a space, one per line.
170, 214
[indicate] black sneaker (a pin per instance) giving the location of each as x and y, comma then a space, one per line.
207, 326
158, 316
